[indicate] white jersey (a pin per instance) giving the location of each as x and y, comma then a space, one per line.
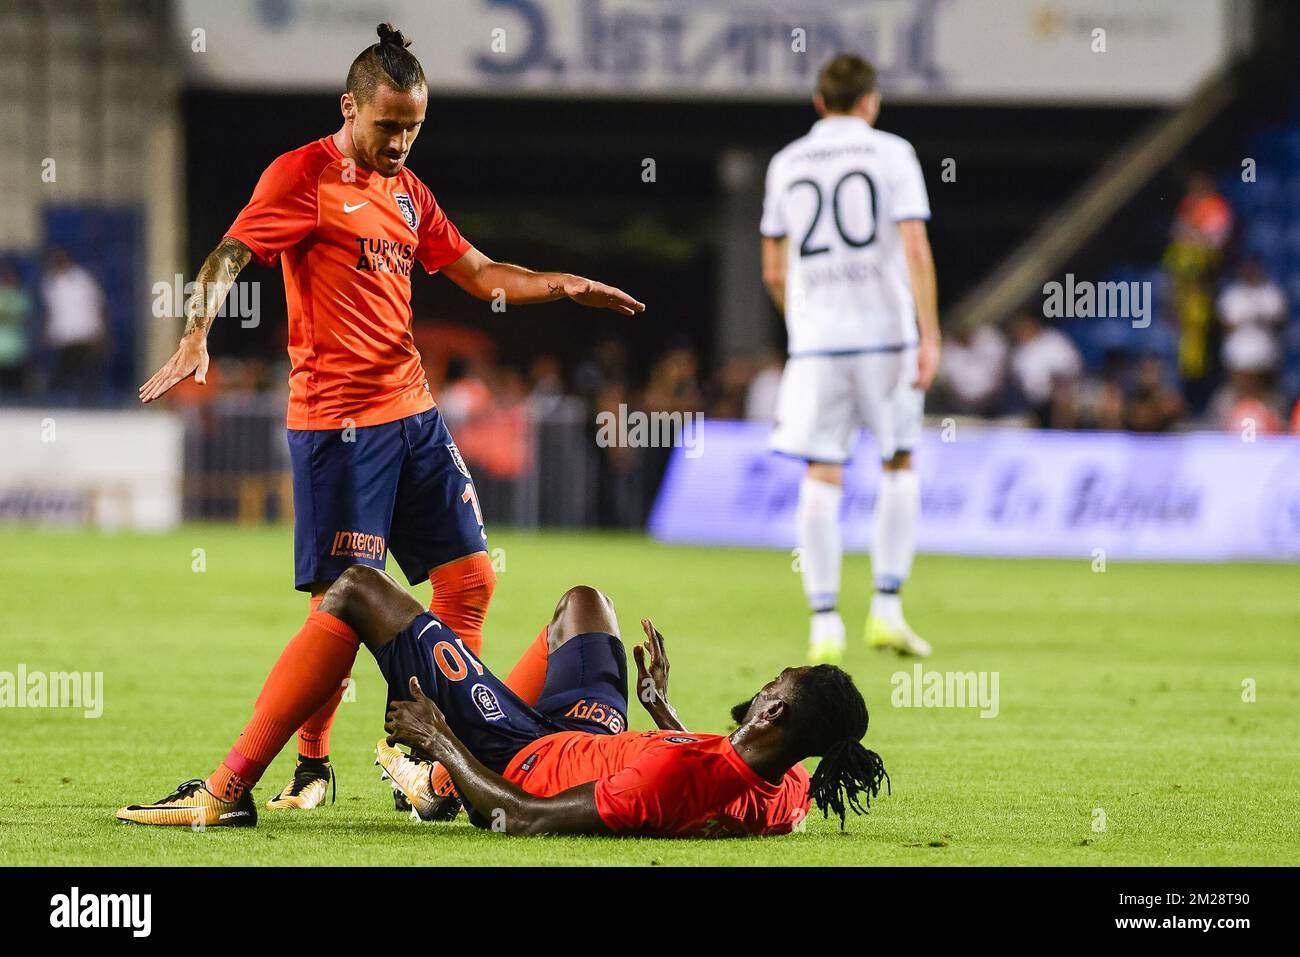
838, 195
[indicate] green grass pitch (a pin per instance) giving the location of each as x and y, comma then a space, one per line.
1120, 691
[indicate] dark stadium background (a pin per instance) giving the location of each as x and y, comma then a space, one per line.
556, 184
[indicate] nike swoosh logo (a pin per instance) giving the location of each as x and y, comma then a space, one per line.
353, 209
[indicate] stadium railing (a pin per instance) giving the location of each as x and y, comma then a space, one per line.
236, 463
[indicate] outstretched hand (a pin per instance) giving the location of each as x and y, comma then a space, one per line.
418, 723
189, 359
588, 292
651, 665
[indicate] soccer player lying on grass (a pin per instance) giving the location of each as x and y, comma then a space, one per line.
555, 757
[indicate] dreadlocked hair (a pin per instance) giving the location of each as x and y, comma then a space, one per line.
386, 63
829, 718
848, 776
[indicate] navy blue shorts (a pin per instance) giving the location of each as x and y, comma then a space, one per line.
585, 689
359, 492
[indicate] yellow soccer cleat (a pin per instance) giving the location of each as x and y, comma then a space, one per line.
425, 785
895, 636
826, 638
192, 805
825, 652
311, 782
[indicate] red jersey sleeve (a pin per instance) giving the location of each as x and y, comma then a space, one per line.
440, 242
283, 210
662, 792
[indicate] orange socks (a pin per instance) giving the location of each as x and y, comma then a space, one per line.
308, 673
528, 676
314, 735
461, 592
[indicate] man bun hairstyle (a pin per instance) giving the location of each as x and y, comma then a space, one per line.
829, 718
844, 81
386, 63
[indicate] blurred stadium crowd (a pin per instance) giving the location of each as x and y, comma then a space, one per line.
1224, 345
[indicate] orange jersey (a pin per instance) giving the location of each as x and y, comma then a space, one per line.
346, 239
664, 783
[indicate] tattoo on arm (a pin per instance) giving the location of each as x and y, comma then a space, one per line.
213, 283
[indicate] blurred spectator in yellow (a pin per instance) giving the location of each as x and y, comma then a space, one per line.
74, 327
973, 370
1202, 226
1252, 309
15, 314
1043, 361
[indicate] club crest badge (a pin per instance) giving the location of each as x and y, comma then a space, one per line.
486, 702
460, 462
406, 208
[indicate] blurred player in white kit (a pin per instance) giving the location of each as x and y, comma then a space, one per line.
847, 258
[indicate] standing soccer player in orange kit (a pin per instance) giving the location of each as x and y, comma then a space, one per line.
374, 466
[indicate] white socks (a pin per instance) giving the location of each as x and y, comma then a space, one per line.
893, 539
820, 547
893, 544
887, 607
827, 629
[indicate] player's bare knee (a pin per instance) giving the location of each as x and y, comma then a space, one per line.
352, 593
369, 602
581, 610
582, 599
899, 461
827, 472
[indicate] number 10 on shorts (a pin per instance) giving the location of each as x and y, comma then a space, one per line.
471, 497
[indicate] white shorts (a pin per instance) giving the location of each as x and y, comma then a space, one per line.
825, 400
